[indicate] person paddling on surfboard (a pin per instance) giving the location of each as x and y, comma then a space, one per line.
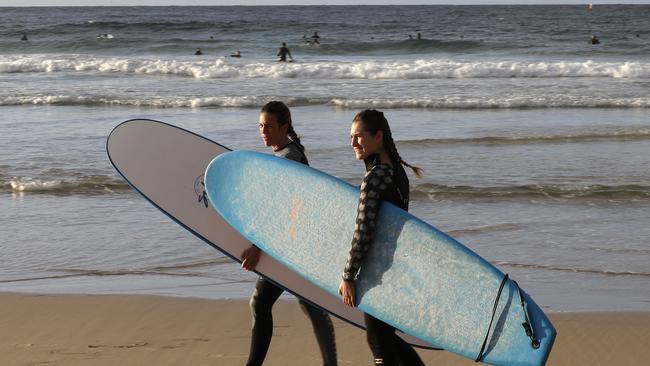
278, 133
385, 180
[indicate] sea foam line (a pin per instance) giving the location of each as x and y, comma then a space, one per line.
410, 69
254, 101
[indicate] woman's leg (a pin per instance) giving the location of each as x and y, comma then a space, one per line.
380, 338
388, 348
261, 303
324, 331
406, 355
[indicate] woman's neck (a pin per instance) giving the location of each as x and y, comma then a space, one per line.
281, 144
375, 159
385, 159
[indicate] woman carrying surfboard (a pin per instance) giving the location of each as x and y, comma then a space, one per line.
277, 132
385, 180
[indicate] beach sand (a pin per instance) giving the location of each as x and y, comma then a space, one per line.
139, 330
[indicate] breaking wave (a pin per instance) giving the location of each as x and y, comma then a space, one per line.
254, 101
411, 69
84, 185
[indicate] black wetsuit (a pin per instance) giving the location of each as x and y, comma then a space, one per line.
283, 52
381, 183
266, 294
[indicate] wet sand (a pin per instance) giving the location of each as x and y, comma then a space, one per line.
148, 330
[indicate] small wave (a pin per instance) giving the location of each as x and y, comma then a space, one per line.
250, 101
415, 69
219, 261
641, 134
96, 272
483, 229
160, 102
502, 102
89, 185
573, 269
124, 272
559, 192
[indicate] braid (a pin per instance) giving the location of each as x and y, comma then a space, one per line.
389, 144
294, 137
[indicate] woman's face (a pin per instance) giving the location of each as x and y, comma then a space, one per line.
363, 143
272, 133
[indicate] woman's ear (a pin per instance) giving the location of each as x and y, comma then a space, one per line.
379, 137
284, 128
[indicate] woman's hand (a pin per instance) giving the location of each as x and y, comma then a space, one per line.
346, 290
249, 258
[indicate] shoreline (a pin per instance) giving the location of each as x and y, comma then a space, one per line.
148, 329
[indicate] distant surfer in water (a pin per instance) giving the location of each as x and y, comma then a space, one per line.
277, 133
315, 39
24, 38
236, 54
385, 180
283, 52
198, 52
594, 40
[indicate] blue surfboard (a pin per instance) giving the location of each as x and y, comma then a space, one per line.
415, 277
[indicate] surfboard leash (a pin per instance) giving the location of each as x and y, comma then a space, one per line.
527, 324
480, 356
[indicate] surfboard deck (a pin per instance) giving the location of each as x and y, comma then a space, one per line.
415, 277
165, 164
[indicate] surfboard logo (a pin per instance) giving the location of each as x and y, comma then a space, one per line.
199, 190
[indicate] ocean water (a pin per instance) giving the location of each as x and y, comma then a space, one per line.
534, 142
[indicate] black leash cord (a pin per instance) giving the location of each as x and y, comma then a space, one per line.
494, 311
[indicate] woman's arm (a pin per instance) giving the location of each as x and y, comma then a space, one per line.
376, 181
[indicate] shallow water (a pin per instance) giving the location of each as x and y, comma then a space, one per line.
535, 149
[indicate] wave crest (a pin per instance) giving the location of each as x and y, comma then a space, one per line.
89, 185
628, 192
411, 69
254, 101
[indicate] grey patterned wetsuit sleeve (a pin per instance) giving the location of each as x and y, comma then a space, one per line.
377, 180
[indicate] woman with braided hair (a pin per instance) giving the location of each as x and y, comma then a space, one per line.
278, 133
385, 180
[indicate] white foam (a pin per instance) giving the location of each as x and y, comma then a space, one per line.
251, 101
158, 102
34, 185
411, 69
496, 102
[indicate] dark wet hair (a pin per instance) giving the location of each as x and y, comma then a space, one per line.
374, 121
283, 115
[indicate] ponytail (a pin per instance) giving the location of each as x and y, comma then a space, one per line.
294, 137
390, 147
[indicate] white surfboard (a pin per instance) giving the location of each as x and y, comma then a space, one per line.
165, 164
